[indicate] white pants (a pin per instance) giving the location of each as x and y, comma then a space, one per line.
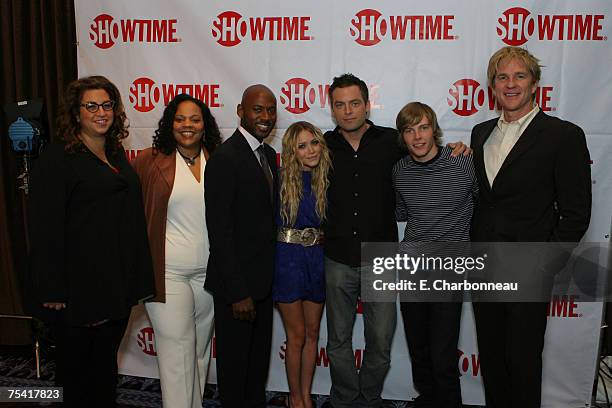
183, 327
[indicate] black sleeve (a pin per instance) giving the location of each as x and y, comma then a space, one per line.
220, 194
141, 285
47, 218
572, 185
401, 211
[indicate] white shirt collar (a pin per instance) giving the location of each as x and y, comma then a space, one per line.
527, 118
251, 140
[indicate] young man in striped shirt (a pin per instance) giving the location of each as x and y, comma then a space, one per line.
435, 196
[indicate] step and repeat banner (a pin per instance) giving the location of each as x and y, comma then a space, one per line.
435, 52
570, 356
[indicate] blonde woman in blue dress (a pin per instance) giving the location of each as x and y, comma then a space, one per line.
299, 280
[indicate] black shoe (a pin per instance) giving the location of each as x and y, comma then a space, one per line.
279, 400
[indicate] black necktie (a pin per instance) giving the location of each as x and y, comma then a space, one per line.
266, 168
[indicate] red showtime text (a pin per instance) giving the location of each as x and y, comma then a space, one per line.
145, 94
467, 96
469, 364
517, 25
231, 28
104, 31
369, 27
563, 307
145, 339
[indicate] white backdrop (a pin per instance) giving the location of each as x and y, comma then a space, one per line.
570, 356
432, 51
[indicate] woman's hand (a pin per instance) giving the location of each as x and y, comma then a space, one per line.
55, 305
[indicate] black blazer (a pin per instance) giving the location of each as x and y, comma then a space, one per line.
240, 215
542, 192
89, 246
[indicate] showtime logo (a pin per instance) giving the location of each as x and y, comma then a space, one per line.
563, 307
322, 359
230, 28
145, 339
469, 364
369, 27
145, 94
516, 26
466, 97
104, 31
298, 95
131, 154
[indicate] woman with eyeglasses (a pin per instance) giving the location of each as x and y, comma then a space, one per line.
90, 258
172, 176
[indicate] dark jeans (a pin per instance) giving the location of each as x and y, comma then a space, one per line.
432, 333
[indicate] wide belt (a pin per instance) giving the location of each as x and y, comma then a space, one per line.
305, 237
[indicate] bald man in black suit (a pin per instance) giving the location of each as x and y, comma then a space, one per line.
240, 189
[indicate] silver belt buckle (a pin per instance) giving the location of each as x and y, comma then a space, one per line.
309, 237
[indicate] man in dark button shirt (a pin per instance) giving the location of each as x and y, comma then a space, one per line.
361, 208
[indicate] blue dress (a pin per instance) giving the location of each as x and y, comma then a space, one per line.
299, 270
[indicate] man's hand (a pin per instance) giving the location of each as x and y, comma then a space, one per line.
55, 305
459, 148
244, 310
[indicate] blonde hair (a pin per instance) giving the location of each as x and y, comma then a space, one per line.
508, 53
291, 189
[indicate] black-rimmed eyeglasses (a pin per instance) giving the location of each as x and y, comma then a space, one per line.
93, 107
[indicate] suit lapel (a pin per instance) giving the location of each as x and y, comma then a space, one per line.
478, 147
252, 162
271, 153
525, 142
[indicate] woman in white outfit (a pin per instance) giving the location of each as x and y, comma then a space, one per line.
172, 177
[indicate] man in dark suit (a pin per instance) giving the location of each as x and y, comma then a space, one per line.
535, 186
240, 189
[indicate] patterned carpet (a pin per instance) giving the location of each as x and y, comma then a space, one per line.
18, 369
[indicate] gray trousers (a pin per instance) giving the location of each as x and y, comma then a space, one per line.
351, 387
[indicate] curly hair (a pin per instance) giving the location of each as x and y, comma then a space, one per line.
291, 189
68, 124
164, 140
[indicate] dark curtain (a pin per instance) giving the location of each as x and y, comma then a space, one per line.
38, 60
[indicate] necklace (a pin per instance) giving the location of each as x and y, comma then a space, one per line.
189, 160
